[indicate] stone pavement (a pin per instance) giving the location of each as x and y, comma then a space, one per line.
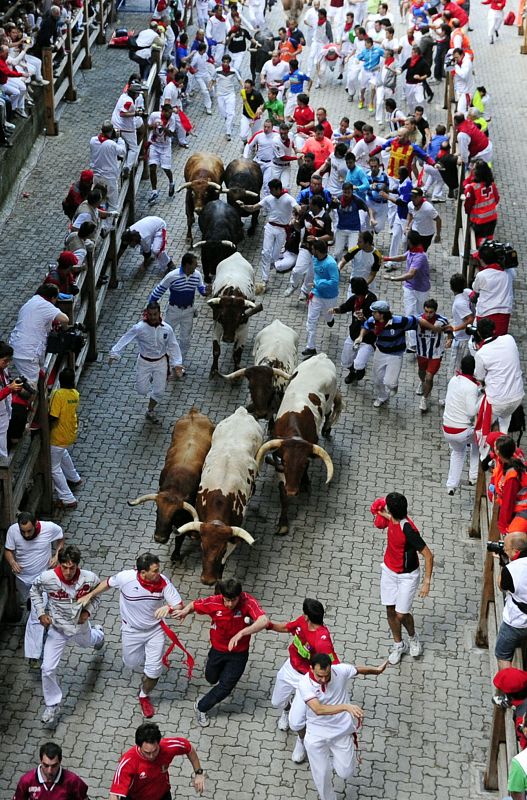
427, 720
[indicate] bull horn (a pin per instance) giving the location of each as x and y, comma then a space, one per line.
143, 499
272, 444
214, 301
189, 527
234, 376
242, 534
198, 244
186, 185
214, 185
228, 242
321, 453
279, 373
249, 304
191, 510
251, 194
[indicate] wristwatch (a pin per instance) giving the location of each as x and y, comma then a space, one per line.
198, 771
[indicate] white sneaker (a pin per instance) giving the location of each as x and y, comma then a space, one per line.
283, 722
99, 645
416, 648
397, 652
299, 753
419, 389
201, 717
154, 197
442, 402
50, 714
423, 405
289, 291
378, 403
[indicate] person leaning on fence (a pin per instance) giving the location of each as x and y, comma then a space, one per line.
7, 388
63, 434
513, 580
509, 479
127, 118
107, 150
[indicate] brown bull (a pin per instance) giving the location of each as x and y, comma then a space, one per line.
180, 476
203, 175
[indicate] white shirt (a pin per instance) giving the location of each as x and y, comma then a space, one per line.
145, 40
512, 615
274, 74
30, 334
495, 289
227, 84
171, 94
138, 605
461, 402
337, 173
124, 103
279, 209
216, 29
105, 155
461, 309
362, 150
334, 693
148, 228
153, 341
157, 135
33, 555
498, 364
423, 218
261, 144
464, 82
200, 62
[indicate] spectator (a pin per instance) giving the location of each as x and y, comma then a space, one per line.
493, 287
63, 406
462, 316
49, 33
510, 486
80, 241
7, 388
107, 150
512, 632
12, 83
78, 192
481, 200
498, 365
62, 275
151, 38
127, 119
461, 406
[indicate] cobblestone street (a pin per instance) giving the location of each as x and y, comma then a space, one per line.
427, 720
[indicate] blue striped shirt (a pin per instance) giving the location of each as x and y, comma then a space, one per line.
391, 339
181, 287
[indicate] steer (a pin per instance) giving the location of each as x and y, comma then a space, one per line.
311, 405
203, 175
232, 304
244, 180
222, 229
275, 357
227, 483
179, 479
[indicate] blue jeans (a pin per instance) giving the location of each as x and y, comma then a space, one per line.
508, 640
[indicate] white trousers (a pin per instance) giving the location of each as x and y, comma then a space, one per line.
28, 367
202, 85
356, 358
386, 370
143, 650
62, 471
317, 307
4, 425
459, 443
458, 351
132, 148
344, 240
315, 51
281, 172
227, 108
273, 243
434, 183
495, 21
113, 192
360, 10
502, 413
181, 321
352, 76
382, 94
285, 685
336, 20
486, 154
290, 104
414, 94
326, 755
34, 634
151, 378
267, 170
86, 636
15, 89
286, 261
413, 304
398, 227
237, 60
35, 65
248, 127
302, 270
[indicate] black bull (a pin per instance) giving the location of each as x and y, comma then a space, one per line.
262, 53
222, 230
244, 179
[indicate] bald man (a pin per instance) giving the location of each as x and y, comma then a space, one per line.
513, 580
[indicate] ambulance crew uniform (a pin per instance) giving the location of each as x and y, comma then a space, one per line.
64, 609
143, 638
139, 778
66, 786
330, 741
33, 557
224, 668
279, 210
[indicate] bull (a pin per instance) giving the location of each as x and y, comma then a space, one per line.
262, 51
275, 357
310, 406
227, 484
222, 229
203, 176
293, 9
232, 304
244, 180
180, 476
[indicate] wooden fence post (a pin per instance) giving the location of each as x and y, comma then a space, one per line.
497, 737
113, 258
474, 530
71, 93
86, 62
52, 128
91, 310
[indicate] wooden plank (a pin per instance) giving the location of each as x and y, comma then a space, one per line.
474, 530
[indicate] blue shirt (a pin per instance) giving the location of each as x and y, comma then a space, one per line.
326, 274
181, 287
359, 179
404, 191
181, 53
435, 146
377, 184
371, 58
306, 194
391, 340
295, 80
348, 218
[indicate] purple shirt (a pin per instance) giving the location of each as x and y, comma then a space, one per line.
421, 280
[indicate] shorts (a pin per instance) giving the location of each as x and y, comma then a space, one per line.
429, 365
399, 589
160, 155
507, 640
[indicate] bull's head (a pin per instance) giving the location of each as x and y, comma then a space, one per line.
168, 505
217, 543
295, 454
265, 394
231, 311
203, 190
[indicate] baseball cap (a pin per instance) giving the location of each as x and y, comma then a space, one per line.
380, 305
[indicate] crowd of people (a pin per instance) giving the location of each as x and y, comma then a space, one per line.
365, 201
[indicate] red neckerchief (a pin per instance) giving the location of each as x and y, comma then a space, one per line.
348, 26
468, 377
284, 191
431, 321
414, 60
234, 29
321, 21
152, 324
346, 201
359, 302
102, 138
486, 341
62, 579
358, 137
220, 19
418, 248
313, 678
225, 69
410, 38
388, 61
493, 266
379, 327
164, 119
157, 586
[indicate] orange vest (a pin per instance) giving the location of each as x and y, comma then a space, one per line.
484, 208
521, 498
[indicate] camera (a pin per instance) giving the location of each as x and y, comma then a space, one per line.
26, 386
501, 253
496, 547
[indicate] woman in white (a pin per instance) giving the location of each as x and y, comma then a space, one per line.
461, 407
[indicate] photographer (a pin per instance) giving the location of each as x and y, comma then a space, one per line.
107, 150
513, 579
498, 365
7, 387
493, 286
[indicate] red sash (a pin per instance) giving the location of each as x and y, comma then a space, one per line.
189, 661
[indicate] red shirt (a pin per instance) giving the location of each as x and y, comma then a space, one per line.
302, 116
67, 786
6, 72
226, 622
328, 130
307, 643
404, 542
140, 779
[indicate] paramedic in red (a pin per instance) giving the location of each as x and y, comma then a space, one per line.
50, 779
142, 772
400, 571
235, 616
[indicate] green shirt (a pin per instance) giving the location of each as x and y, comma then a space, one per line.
275, 109
517, 777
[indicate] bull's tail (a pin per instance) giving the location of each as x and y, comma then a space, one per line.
336, 411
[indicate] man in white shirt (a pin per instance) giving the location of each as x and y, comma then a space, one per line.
464, 83
261, 148
200, 73
107, 150
461, 407
227, 81
216, 29
494, 286
30, 335
498, 364
462, 315
172, 94
162, 128
424, 219
28, 552
147, 40
279, 206
330, 720
143, 592
127, 119
150, 233
363, 148
274, 73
